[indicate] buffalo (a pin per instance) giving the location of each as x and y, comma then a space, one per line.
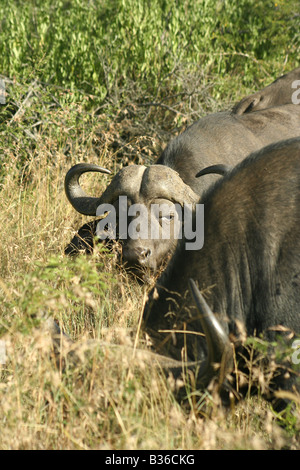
248, 269
219, 140
284, 90
245, 281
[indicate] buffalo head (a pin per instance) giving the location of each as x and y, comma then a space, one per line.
142, 208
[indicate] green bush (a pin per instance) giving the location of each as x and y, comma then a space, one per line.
99, 46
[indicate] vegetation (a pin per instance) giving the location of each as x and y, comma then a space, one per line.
110, 82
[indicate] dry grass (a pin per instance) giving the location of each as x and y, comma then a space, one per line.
106, 401
81, 88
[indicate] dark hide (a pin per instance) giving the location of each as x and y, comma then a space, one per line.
249, 267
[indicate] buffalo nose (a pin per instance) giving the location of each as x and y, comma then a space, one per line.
137, 255
145, 253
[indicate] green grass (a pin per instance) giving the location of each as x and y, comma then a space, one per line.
111, 82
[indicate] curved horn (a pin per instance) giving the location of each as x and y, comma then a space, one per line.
218, 169
84, 204
218, 344
247, 104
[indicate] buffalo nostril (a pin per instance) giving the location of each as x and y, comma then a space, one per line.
136, 255
145, 253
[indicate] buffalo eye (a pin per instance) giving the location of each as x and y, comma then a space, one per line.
166, 217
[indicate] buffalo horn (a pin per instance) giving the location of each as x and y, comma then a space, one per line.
84, 204
217, 169
218, 344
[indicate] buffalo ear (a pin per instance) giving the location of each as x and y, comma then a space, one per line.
83, 240
219, 169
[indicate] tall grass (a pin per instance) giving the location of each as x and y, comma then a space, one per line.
109, 82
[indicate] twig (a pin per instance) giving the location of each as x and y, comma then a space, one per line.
163, 106
139, 324
24, 103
